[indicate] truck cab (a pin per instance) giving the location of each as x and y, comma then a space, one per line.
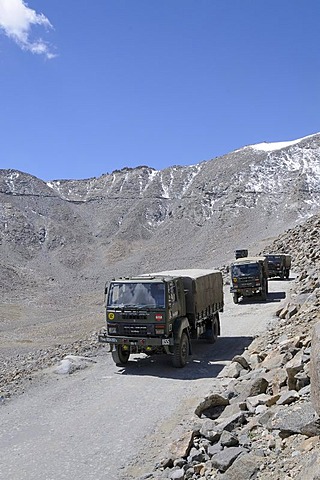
140, 312
279, 265
249, 277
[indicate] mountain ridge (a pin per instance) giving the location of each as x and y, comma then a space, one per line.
139, 219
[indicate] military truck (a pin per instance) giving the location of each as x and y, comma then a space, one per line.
241, 253
279, 265
162, 312
249, 277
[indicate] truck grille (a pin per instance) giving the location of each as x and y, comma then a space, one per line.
134, 316
247, 282
135, 330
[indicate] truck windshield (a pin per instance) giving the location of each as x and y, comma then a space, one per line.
136, 294
245, 269
274, 258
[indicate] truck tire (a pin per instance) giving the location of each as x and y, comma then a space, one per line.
213, 332
235, 298
181, 351
120, 356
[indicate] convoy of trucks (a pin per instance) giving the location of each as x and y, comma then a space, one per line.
162, 312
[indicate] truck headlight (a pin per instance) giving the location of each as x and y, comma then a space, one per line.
159, 330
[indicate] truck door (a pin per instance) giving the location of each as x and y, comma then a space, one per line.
173, 302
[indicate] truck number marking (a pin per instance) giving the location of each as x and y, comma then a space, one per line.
166, 341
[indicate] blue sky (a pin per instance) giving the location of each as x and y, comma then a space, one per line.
87, 87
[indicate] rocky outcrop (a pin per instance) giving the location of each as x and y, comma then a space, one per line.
266, 418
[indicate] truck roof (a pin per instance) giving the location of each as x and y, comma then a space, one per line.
277, 255
191, 273
249, 260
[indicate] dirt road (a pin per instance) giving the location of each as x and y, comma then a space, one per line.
106, 422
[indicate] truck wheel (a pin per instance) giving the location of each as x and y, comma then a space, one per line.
235, 298
181, 351
213, 332
120, 356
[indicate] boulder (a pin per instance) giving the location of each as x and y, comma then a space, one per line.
288, 397
210, 403
231, 423
181, 447
297, 418
209, 430
245, 467
294, 366
223, 460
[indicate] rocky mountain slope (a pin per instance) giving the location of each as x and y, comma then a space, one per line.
140, 219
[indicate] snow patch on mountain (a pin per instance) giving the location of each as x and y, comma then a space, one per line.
271, 147
274, 146
191, 172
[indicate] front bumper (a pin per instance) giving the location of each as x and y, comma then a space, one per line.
142, 342
245, 291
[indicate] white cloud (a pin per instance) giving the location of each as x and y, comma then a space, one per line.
16, 21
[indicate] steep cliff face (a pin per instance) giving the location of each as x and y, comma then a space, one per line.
134, 220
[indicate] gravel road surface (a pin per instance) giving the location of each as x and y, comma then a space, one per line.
106, 422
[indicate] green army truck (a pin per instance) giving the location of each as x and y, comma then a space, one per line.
162, 312
279, 265
249, 277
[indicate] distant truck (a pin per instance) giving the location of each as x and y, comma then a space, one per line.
279, 265
241, 253
249, 277
162, 312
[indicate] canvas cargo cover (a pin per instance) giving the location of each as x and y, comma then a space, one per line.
286, 258
287, 261
204, 288
249, 260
